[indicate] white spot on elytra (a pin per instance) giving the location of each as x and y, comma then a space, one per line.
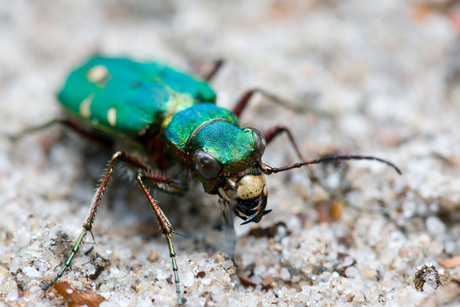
85, 110
97, 73
112, 116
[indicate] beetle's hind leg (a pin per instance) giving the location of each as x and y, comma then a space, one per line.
67, 122
32, 130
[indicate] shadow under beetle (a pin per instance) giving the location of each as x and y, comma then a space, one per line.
171, 117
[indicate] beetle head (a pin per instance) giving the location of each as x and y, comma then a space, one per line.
232, 169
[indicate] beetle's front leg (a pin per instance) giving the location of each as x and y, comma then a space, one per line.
134, 162
165, 226
159, 182
88, 224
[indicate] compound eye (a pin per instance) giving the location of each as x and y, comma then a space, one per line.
259, 141
206, 165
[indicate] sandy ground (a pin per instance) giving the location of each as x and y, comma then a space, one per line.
386, 72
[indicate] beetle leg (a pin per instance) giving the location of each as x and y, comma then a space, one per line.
167, 230
164, 184
65, 121
88, 224
244, 99
217, 65
135, 162
242, 102
274, 131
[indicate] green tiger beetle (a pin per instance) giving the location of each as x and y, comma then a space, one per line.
171, 117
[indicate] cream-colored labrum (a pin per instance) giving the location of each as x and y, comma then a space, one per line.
249, 187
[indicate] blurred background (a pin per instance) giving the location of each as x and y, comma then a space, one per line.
372, 77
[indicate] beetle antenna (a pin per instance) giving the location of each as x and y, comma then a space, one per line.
273, 170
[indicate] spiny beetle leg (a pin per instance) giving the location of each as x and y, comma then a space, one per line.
242, 102
88, 224
167, 230
135, 162
164, 184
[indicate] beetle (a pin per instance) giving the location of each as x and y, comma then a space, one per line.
163, 116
